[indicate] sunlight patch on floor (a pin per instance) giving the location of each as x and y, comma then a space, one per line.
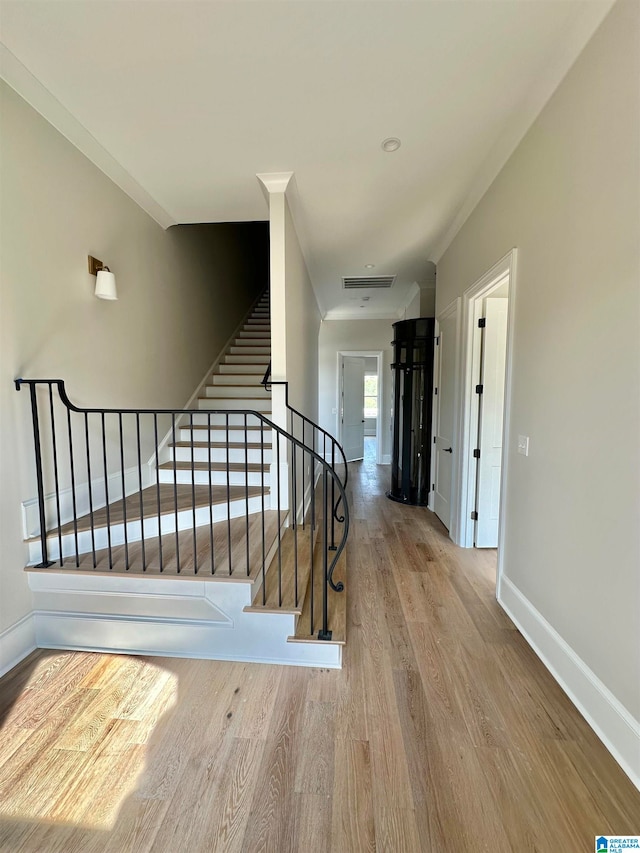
74, 758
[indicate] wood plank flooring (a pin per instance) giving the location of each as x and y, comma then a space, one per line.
442, 734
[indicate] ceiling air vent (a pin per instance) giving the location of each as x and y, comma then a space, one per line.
351, 282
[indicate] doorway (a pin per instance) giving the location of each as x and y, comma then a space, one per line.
486, 349
359, 407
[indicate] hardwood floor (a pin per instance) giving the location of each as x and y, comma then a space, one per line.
443, 732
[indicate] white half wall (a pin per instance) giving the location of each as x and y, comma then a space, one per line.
568, 200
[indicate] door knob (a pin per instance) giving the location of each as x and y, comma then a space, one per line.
448, 450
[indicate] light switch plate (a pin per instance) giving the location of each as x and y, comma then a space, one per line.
523, 445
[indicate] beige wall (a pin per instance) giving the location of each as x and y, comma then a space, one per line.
568, 199
302, 324
181, 294
345, 335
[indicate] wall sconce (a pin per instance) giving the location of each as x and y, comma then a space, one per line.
105, 279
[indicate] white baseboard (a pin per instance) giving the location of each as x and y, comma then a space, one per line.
618, 730
386, 459
16, 643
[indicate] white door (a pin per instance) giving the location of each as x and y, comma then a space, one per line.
494, 356
444, 402
352, 405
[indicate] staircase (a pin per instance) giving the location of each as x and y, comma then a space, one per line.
195, 551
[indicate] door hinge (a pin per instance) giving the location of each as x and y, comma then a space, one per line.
482, 322
479, 389
433, 487
438, 341
476, 453
434, 439
474, 516
435, 391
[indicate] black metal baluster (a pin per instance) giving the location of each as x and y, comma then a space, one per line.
175, 491
313, 482
56, 479
89, 487
294, 479
304, 465
45, 562
144, 556
193, 497
311, 535
264, 555
228, 496
324, 633
106, 488
279, 535
211, 537
72, 468
246, 491
124, 495
155, 441
333, 496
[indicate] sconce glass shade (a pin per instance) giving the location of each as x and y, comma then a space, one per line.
106, 285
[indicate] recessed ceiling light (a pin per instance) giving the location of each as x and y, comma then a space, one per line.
392, 143
369, 266
366, 298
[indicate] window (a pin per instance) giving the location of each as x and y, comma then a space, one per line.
371, 395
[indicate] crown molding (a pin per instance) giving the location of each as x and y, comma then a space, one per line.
275, 182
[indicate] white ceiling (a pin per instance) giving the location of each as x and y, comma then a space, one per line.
183, 103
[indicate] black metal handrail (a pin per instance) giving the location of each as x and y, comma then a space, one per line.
334, 443
249, 420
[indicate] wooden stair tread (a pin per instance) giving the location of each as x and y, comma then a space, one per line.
150, 504
215, 466
238, 528
248, 397
221, 445
270, 602
219, 427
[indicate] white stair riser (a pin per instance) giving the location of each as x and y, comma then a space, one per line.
233, 403
225, 391
252, 379
218, 478
247, 358
250, 350
257, 325
220, 420
250, 334
249, 367
255, 456
219, 436
134, 529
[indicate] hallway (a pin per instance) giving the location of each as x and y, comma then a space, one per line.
442, 733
